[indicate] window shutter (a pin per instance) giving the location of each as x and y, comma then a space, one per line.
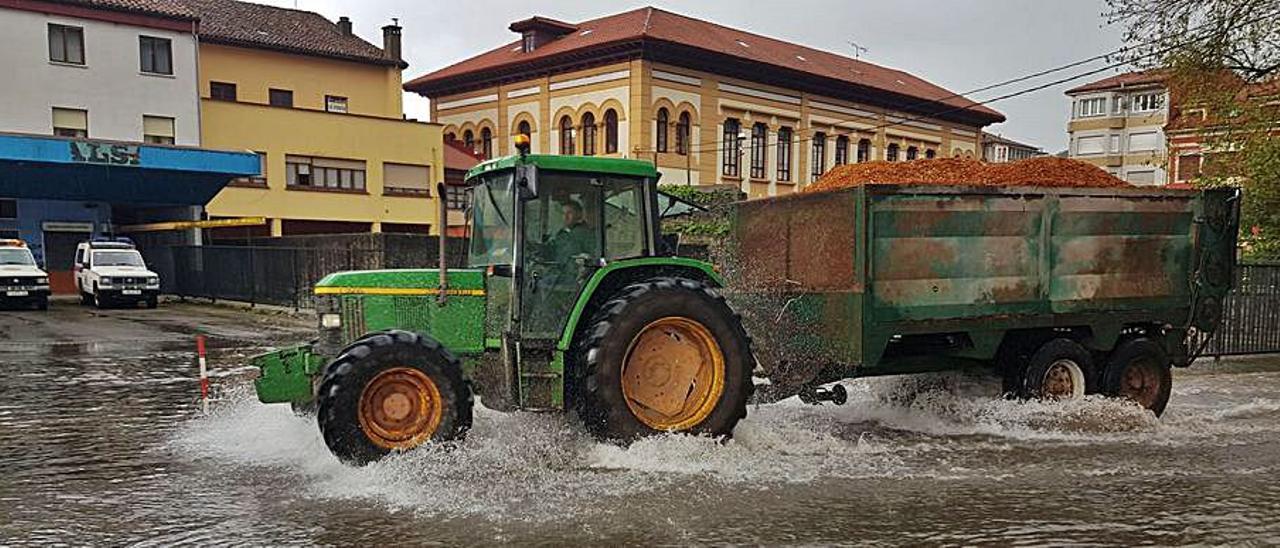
70, 118
158, 126
406, 176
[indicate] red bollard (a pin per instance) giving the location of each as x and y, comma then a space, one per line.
204, 375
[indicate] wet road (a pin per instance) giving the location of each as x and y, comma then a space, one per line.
101, 444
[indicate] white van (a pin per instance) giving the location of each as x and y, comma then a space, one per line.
21, 280
111, 271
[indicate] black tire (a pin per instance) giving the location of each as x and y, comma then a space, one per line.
85, 298
42, 303
308, 409
99, 301
599, 397
153, 302
1150, 385
1057, 362
346, 377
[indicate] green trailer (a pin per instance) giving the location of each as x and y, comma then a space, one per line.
571, 301
1060, 291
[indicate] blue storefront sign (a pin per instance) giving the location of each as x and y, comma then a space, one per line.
52, 168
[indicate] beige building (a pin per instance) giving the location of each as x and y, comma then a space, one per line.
1118, 124
999, 149
709, 104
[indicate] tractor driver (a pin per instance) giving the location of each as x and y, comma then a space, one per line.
572, 241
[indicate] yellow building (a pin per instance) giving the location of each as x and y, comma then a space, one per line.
322, 108
709, 104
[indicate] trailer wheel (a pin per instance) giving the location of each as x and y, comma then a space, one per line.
1058, 370
1139, 370
393, 391
664, 355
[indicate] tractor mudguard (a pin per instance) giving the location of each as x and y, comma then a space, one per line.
285, 375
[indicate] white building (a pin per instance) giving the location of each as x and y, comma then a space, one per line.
119, 75
1118, 124
998, 149
100, 124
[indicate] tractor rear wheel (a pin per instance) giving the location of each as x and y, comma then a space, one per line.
392, 391
1139, 370
664, 355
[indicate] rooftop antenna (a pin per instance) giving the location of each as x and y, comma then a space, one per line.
857, 49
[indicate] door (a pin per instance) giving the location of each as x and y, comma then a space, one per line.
59, 259
563, 237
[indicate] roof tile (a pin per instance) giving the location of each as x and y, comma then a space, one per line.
163, 8
654, 24
246, 24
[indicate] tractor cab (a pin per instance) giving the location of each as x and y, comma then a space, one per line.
553, 221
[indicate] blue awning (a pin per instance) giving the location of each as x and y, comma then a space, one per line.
52, 168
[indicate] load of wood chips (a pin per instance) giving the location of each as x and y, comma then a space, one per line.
1040, 171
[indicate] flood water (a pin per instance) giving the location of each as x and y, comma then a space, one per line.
102, 444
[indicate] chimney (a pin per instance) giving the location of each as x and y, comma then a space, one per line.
344, 25
391, 40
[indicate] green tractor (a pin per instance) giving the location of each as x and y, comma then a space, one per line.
569, 303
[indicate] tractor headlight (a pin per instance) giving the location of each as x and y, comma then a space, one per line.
330, 321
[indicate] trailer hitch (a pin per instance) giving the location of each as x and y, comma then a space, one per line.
815, 395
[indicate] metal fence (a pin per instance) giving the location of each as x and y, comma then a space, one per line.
1251, 313
280, 274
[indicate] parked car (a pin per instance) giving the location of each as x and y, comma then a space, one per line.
21, 280
111, 271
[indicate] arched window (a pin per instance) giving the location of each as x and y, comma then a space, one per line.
864, 150
930, 153
842, 150
891, 153
912, 153
730, 164
610, 131
566, 135
486, 143
682, 134
660, 129
759, 134
784, 153
450, 137
819, 163
469, 140
523, 128
588, 134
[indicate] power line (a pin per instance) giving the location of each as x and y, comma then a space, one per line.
698, 147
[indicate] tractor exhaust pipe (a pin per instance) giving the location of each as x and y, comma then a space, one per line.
442, 221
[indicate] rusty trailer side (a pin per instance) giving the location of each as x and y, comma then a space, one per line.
888, 279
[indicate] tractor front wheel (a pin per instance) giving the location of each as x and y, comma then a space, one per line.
392, 391
664, 355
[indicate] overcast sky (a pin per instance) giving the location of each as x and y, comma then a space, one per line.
957, 44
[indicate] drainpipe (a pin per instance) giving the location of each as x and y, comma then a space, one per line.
442, 221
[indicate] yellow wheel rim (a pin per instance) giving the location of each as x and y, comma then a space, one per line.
400, 408
673, 374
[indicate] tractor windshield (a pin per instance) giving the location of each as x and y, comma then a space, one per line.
491, 218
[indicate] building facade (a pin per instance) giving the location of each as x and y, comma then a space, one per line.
100, 124
997, 149
708, 104
322, 109
1118, 124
